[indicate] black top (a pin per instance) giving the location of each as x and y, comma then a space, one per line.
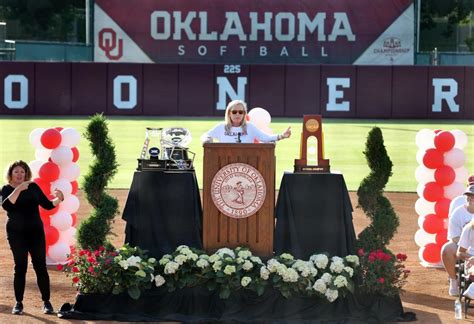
24, 213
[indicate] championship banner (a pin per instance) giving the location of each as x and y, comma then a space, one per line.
255, 31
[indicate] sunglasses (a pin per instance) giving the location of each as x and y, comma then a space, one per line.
235, 112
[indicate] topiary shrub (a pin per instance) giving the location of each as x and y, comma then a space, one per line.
93, 231
384, 220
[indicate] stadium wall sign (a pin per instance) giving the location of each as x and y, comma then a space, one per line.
255, 32
342, 91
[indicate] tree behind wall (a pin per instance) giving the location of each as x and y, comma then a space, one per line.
93, 231
384, 220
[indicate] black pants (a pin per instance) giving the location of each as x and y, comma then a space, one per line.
23, 242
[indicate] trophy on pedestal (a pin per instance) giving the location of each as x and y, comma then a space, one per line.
312, 144
165, 149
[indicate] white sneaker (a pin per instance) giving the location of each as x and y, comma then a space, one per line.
454, 287
469, 293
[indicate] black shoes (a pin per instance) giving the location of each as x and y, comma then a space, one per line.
18, 308
48, 308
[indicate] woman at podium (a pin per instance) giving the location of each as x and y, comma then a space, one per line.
235, 128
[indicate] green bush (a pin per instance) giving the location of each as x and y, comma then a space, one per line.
384, 220
93, 231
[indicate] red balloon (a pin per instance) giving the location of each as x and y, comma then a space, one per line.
433, 158
59, 129
75, 187
49, 171
433, 192
444, 175
51, 138
444, 141
442, 207
45, 186
433, 224
74, 219
441, 237
75, 154
51, 234
431, 253
47, 212
46, 220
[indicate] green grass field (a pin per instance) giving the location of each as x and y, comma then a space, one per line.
344, 144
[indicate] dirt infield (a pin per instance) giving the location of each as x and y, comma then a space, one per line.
426, 291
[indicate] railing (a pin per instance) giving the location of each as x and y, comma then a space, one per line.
7, 50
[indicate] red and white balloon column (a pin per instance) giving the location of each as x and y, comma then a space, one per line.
441, 176
55, 167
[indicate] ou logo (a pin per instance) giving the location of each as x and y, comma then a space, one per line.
108, 42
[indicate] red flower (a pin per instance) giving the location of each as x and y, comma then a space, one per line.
97, 253
381, 280
60, 267
91, 259
71, 263
361, 252
75, 279
75, 269
371, 258
401, 257
101, 248
83, 252
91, 269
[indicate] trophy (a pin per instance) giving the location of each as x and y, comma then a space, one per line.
312, 143
150, 155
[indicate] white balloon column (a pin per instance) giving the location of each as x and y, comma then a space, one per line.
260, 118
441, 176
55, 167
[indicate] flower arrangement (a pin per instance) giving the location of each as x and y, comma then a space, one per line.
104, 271
227, 270
382, 272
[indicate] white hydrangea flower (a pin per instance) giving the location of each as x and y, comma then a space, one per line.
213, 258
256, 259
180, 259
337, 266
171, 267
217, 266
337, 259
354, 259
229, 269
247, 265
302, 267
179, 248
193, 256
134, 261
204, 256
185, 251
245, 281
201, 263
244, 254
290, 275
227, 251
331, 295
287, 256
264, 273
312, 269
349, 271
239, 260
272, 265
320, 286
281, 269
140, 273
320, 260
159, 281
327, 278
118, 258
123, 264
152, 277
340, 281
151, 260
165, 259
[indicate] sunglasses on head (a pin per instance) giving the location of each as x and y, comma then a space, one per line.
235, 112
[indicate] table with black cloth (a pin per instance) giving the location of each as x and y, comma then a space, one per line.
314, 215
163, 210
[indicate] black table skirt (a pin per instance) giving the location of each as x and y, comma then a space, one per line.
201, 305
314, 215
163, 210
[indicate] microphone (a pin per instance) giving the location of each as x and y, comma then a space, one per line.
238, 137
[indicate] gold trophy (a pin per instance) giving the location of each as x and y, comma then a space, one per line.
312, 137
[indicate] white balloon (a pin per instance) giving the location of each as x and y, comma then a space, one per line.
35, 165
420, 256
70, 137
59, 252
453, 190
69, 171
43, 154
424, 175
424, 207
461, 175
460, 138
62, 155
419, 156
61, 220
70, 204
35, 137
421, 220
267, 130
422, 238
68, 236
419, 189
63, 185
260, 117
455, 158
425, 139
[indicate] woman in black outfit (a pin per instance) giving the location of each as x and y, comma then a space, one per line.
21, 198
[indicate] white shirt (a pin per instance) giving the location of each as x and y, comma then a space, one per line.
219, 133
456, 202
467, 239
460, 217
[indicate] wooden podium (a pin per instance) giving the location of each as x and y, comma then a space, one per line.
239, 197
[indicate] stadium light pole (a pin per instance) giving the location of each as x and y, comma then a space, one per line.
88, 26
418, 16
